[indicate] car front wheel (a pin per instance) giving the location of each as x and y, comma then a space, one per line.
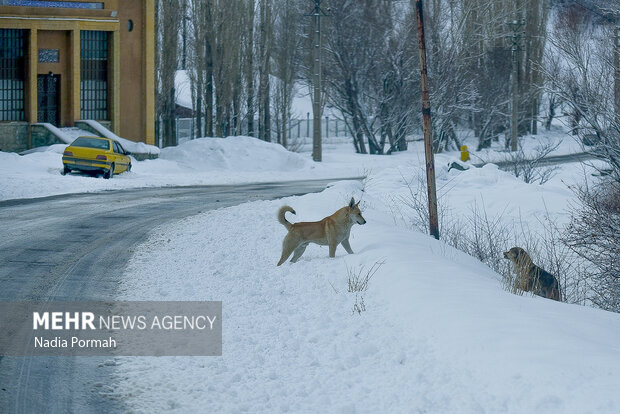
66, 170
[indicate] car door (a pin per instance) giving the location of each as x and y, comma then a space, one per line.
126, 160
119, 158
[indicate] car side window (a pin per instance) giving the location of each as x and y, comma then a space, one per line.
117, 149
120, 147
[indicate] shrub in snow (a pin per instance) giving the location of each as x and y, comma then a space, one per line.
485, 237
594, 234
530, 168
359, 278
357, 282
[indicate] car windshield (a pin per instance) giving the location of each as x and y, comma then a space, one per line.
87, 142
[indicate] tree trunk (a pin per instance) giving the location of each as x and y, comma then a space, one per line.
249, 70
264, 122
209, 87
169, 24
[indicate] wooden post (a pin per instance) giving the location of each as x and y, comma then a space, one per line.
617, 73
428, 128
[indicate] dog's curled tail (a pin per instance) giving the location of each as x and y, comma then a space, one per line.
281, 217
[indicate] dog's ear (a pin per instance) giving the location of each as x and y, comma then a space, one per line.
352, 203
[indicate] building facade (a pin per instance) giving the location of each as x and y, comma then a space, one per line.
65, 61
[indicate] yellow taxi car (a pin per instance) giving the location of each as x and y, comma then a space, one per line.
96, 154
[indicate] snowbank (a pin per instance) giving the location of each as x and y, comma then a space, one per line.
438, 335
55, 148
131, 146
234, 154
205, 161
62, 135
68, 135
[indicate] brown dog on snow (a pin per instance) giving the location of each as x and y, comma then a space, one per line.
330, 231
532, 278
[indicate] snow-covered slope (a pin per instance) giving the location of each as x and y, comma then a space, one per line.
439, 334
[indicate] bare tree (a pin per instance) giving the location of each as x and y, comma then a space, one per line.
287, 56
168, 19
356, 66
200, 71
594, 234
583, 82
264, 55
249, 65
536, 19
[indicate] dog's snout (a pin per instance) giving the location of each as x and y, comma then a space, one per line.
506, 255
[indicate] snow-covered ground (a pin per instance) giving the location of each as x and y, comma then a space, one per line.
439, 334
204, 161
232, 160
557, 138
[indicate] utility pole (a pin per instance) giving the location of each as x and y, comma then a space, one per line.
316, 82
617, 73
428, 128
514, 122
184, 56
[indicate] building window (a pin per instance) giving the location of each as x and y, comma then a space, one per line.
11, 75
94, 75
53, 4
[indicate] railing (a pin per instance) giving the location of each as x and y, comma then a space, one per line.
297, 128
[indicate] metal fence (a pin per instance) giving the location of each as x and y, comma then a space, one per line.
185, 129
297, 128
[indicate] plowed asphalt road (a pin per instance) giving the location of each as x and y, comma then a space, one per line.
75, 247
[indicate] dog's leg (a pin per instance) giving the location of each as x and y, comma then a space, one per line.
331, 240
347, 246
332, 249
298, 252
289, 244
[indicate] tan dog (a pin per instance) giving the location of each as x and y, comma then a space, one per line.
330, 231
532, 278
